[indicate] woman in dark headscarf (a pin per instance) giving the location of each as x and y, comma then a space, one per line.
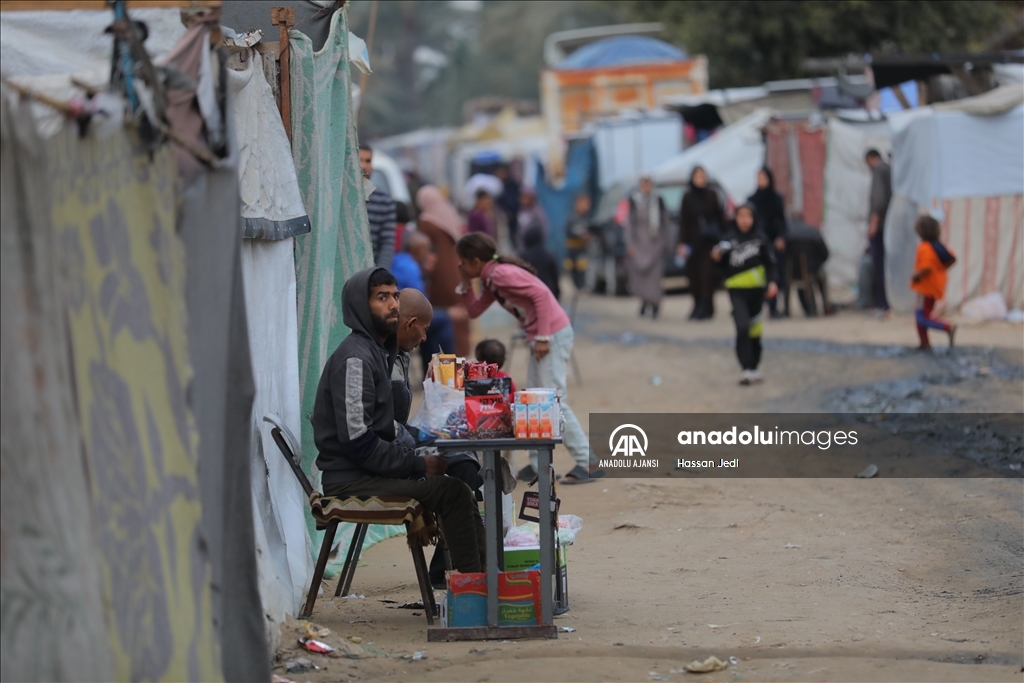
771, 222
700, 227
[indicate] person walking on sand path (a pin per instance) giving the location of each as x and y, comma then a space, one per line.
700, 228
647, 242
929, 280
771, 222
746, 259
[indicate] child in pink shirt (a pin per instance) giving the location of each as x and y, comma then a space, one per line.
513, 284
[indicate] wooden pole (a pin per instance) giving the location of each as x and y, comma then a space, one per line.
369, 50
285, 17
898, 92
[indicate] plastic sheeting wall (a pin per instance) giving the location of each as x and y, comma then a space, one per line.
50, 602
847, 184
732, 157
283, 547
628, 148
950, 154
968, 171
985, 233
557, 202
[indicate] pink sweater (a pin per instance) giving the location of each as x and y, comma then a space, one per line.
522, 295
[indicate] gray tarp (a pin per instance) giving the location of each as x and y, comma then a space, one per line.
222, 394
312, 18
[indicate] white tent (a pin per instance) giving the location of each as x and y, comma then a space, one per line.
844, 225
963, 162
628, 146
732, 156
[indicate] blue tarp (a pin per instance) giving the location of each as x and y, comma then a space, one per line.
620, 51
557, 202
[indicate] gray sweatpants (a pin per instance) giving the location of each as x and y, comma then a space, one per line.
551, 373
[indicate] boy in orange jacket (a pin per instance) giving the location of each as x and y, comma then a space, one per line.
929, 279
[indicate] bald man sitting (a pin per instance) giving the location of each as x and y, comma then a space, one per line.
414, 316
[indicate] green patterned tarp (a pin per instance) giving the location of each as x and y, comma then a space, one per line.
326, 153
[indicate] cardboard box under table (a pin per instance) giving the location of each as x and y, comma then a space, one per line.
528, 557
490, 472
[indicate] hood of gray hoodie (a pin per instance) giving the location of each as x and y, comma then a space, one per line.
355, 311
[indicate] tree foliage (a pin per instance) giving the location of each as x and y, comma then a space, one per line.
494, 50
748, 43
497, 48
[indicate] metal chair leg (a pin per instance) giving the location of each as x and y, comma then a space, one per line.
318, 573
350, 560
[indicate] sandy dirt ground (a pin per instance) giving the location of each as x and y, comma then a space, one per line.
797, 579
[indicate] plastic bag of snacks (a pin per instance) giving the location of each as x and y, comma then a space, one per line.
521, 537
442, 413
568, 527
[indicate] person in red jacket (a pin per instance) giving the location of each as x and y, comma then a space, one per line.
929, 279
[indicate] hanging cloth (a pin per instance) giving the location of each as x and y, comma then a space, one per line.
271, 204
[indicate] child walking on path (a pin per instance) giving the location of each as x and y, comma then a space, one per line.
746, 257
929, 279
513, 284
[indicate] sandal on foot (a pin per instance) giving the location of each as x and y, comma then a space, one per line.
528, 473
577, 475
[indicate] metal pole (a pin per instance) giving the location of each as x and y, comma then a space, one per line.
492, 518
369, 50
547, 538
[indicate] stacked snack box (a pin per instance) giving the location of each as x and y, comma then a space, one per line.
538, 414
488, 413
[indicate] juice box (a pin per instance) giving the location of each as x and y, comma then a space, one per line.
531, 396
522, 420
446, 369
533, 424
546, 417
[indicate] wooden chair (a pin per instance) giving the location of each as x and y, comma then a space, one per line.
421, 529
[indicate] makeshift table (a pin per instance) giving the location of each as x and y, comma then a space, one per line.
490, 472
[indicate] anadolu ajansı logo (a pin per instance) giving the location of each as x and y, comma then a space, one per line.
628, 443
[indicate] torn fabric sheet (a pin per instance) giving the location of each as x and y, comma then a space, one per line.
271, 203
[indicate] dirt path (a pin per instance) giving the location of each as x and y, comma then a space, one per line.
799, 579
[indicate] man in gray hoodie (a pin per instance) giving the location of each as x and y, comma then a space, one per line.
362, 451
